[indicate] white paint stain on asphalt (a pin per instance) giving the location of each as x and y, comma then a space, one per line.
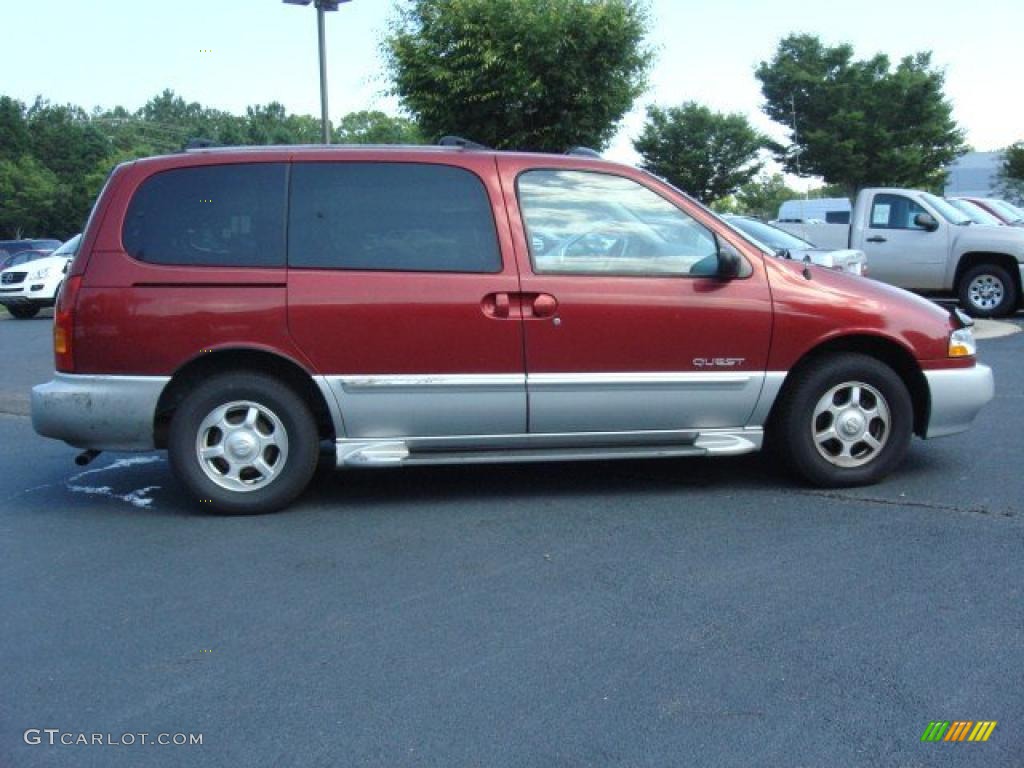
137, 498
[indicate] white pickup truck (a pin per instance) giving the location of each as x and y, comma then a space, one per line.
919, 241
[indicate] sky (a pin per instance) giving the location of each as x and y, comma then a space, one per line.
229, 54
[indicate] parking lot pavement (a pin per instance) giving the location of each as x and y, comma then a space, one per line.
637, 613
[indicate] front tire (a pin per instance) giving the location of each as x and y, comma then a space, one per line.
845, 421
243, 443
987, 290
23, 311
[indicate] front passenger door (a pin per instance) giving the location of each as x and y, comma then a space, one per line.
631, 329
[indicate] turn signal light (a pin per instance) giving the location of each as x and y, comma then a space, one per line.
962, 344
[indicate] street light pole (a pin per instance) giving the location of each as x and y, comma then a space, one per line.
325, 130
322, 6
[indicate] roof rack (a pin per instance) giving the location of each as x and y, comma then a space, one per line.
461, 143
199, 143
584, 152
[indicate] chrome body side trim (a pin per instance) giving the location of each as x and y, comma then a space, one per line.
429, 404
956, 396
575, 446
651, 380
109, 413
616, 402
422, 382
397, 406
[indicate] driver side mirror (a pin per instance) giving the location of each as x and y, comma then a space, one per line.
730, 263
926, 222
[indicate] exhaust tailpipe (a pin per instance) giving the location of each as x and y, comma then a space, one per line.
86, 456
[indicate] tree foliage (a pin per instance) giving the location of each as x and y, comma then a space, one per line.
706, 153
55, 158
374, 127
1011, 172
520, 74
761, 197
860, 123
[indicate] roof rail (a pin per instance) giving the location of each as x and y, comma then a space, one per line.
584, 152
461, 143
199, 143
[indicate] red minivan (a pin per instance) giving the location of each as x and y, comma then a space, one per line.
443, 305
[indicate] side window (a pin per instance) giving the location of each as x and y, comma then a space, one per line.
213, 215
894, 212
390, 216
837, 217
581, 222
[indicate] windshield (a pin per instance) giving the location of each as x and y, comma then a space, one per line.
775, 238
946, 211
70, 248
23, 257
976, 213
1010, 212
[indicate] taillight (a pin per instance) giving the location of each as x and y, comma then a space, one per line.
64, 325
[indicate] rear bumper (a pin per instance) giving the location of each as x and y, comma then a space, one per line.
957, 395
109, 413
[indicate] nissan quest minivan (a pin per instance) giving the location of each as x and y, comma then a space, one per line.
238, 307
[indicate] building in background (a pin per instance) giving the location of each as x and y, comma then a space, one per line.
975, 174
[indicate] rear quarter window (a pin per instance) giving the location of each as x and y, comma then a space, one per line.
215, 215
392, 217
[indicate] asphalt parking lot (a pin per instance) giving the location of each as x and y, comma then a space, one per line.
655, 613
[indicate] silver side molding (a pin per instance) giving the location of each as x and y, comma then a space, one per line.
576, 446
381, 407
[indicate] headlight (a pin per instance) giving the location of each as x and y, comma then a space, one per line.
39, 274
962, 344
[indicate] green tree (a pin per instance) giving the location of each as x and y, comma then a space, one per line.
64, 140
375, 127
708, 154
860, 123
1011, 172
761, 197
31, 198
520, 74
14, 136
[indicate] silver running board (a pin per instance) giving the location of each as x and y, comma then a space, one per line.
577, 446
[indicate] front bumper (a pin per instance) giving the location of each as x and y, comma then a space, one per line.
957, 395
23, 295
107, 413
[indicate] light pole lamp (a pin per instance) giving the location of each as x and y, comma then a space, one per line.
321, 7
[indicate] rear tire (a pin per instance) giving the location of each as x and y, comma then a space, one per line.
845, 421
987, 290
243, 443
23, 311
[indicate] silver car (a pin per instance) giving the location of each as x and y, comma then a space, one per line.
782, 243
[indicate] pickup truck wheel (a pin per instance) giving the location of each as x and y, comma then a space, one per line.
23, 311
845, 421
988, 290
243, 443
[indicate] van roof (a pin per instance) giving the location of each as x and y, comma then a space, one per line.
368, 152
